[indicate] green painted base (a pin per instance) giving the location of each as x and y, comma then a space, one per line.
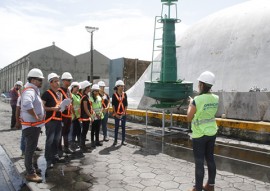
168, 92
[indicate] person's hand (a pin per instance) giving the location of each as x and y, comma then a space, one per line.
18, 125
56, 108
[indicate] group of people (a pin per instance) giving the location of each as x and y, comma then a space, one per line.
89, 107
67, 112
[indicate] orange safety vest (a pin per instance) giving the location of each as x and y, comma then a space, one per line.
54, 112
31, 124
91, 111
69, 114
120, 105
103, 102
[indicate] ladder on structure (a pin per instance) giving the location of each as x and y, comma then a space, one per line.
157, 49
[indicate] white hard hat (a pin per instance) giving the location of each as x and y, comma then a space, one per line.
66, 76
80, 85
85, 84
75, 84
35, 73
51, 76
101, 83
95, 87
20, 83
207, 77
119, 83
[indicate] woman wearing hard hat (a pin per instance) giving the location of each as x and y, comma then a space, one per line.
75, 129
105, 104
86, 113
119, 105
201, 112
97, 115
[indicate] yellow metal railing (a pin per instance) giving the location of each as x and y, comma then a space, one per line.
263, 127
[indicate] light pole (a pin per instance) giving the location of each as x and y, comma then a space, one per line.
91, 30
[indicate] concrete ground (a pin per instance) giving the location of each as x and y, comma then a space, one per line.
118, 168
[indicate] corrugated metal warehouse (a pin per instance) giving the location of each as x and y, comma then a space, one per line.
54, 59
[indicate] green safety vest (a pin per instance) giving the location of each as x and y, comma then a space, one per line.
97, 106
204, 122
76, 105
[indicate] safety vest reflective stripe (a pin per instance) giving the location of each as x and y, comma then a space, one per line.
31, 124
68, 115
84, 119
120, 105
91, 110
54, 112
203, 121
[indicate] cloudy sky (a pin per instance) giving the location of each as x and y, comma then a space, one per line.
125, 26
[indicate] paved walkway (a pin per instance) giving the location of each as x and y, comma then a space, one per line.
118, 168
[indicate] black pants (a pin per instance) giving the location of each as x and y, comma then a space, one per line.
65, 132
77, 129
85, 128
95, 130
31, 135
13, 116
203, 148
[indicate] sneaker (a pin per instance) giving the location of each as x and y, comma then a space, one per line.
98, 143
93, 144
38, 171
33, 178
58, 160
115, 143
38, 149
68, 151
49, 165
106, 139
208, 187
84, 149
124, 143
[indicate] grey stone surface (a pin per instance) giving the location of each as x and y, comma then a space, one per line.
125, 168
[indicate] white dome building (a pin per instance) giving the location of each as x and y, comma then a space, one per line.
233, 43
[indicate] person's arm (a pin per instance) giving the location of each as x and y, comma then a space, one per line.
109, 102
57, 108
85, 107
191, 110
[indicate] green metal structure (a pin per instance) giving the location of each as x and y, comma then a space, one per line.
167, 88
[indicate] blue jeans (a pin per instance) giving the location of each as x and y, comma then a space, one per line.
123, 125
203, 148
53, 136
104, 122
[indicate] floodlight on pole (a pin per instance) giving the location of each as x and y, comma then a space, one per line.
91, 30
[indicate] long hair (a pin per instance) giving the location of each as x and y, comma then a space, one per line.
93, 96
206, 88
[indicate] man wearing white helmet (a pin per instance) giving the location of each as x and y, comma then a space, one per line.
14, 93
119, 105
105, 104
51, 100
32, 117
201, 111
66, 115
